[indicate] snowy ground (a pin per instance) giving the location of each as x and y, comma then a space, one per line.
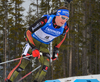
95, 78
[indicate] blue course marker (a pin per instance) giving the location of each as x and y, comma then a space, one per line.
52, 81
86, 80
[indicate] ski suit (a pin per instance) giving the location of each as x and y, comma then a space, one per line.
43, 32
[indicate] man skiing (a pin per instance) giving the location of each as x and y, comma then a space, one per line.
38, 36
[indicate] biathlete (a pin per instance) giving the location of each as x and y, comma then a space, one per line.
38, 36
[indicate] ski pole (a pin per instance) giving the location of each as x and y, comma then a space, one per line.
29, 73
14, 60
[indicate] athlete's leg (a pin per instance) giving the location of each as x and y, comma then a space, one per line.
44, 60
21, 65
43, 70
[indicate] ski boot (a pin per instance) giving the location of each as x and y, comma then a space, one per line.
35, 81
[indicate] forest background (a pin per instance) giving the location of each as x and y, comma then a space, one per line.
79, 54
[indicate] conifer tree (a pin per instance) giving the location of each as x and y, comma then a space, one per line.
8, 30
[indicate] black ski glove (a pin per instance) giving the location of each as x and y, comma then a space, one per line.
55, 53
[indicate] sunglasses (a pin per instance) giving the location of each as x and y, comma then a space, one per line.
64, 18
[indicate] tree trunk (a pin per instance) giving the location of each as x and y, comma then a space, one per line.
70, 63
84, 49
5, 36
99, 56
71, 43
64, 70
37, 8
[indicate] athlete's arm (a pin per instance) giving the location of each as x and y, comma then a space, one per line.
66, 29
38, 24
29, 38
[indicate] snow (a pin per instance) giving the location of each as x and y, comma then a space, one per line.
72, 79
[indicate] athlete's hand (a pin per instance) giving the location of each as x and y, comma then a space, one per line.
35, 52
0, 60
55, 53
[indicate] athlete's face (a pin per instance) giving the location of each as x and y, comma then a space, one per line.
60, 20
